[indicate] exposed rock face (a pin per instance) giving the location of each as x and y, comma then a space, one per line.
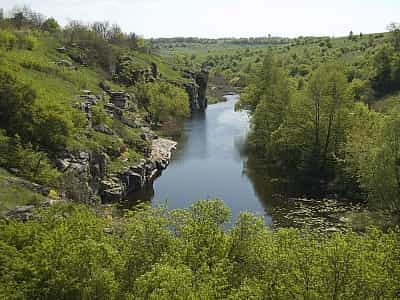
192, 91
88, 175
196, 89
85, 171
120, 99
86, 101
154, 70
103, 129
113, 110
128, 71
21, 213
117, 187
202, 80
61, 49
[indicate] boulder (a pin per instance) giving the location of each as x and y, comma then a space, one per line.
22, 213
65, 63
61, 49
120, 99
103, 129
112, 195
105, 87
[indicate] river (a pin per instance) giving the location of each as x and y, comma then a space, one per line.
210, 163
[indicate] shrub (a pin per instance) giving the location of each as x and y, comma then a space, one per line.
69, 252
16, 105
31, 164
7, 40
27, 41
51, 25
163, 101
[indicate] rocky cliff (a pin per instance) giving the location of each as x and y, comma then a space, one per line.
118, 185
87, 174
196, 88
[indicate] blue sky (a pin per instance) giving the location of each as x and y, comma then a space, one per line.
226, 18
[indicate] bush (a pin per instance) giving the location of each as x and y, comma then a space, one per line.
70, 252
163, 101
51, 25
131, 137
30, 163
27, 41
52, 127
99, 116
44, 125
16, 105
7, 40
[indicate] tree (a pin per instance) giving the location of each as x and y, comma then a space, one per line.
51, 25
394, 29
101, 29
373, 153
165, 102
382, 79
351, 35
268, 97
16, 105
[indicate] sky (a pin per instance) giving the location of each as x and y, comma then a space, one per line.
226, 18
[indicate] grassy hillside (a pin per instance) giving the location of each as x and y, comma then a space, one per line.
237, 59
56, 96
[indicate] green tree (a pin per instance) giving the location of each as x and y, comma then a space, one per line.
268, 97
16, 104
382, 80
163, 101
373, 153
328, 91
51, 25
394, 29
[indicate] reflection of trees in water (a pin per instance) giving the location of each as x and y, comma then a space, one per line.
240, 148
196, 143
270, 185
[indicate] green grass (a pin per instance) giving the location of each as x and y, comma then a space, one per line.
164, 68
13, 193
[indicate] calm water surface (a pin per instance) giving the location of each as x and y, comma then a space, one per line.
209, 163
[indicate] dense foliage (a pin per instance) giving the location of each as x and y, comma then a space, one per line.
163, 101
70, 253
322, 132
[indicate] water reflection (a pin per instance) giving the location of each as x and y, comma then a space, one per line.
209, 163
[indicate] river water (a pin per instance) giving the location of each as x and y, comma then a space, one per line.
210, 163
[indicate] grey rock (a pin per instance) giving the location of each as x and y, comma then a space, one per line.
61, 49
62, 164
22, 213
65, 63
104, 129
113, 195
